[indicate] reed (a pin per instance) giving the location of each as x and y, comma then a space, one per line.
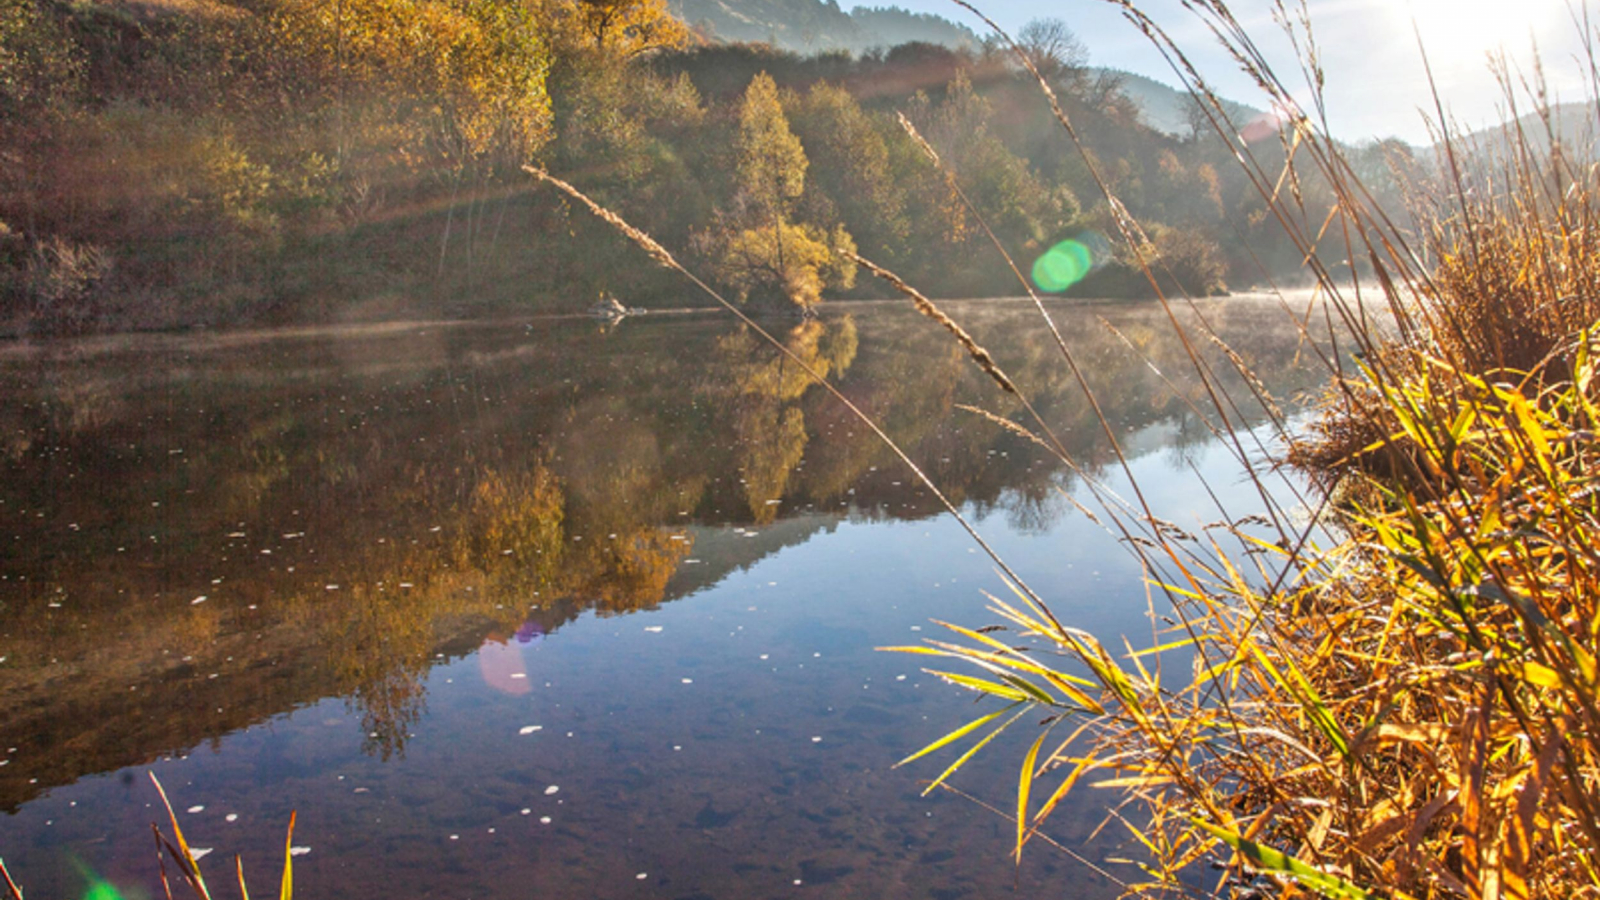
1399, 698
187, 862
188, 865
1402, 705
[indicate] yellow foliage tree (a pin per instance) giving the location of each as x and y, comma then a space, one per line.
628, 28
469, 75
774, 255
797, 261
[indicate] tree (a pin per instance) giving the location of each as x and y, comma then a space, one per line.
761, 251
772, 163
463, 79
851, 179
628, 28
795, 261
1055, 51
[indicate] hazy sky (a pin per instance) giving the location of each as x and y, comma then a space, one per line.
1374, 70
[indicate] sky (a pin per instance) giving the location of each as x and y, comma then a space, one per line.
1376, 82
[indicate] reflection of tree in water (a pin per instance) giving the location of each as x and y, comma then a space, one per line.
748, 365
1184, 445
378, 626
769, 429
772, 441
515, 515
622, 496
631, 572
1035, 504
390, 704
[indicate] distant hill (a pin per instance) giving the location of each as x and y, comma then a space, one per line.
814, 26
1573, 126
817, 26
1166, 109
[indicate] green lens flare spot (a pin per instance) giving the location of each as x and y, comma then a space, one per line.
1063, 266
102, 890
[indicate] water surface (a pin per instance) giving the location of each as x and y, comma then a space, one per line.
557, 609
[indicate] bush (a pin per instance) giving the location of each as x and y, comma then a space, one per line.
62, 284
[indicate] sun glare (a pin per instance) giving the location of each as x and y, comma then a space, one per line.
1456, 28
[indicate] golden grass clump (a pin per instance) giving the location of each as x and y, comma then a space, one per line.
1402, 703
1394, 695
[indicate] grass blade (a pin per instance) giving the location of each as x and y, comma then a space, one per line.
1266, 858
286, 891
1024, 783
956, 766
11, 886
186, 859
956, 735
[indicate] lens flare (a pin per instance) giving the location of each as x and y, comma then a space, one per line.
1069, 262
103, 890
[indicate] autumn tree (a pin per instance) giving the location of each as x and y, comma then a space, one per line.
628, 28
762, 251
464, 79
772, 163
851, 179
1021, 208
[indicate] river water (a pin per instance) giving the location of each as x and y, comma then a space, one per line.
560, 609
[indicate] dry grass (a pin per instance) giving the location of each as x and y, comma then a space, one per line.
1412, 711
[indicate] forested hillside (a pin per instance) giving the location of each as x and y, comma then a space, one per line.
809, 26
180, 163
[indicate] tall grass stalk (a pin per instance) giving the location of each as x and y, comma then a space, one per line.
188, 864
1395, 696
1412, 711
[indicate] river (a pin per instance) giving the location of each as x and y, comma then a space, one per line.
560, 608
